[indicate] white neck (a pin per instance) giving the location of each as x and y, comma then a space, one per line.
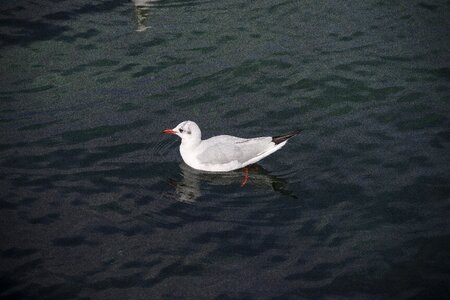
188, 150
190, 143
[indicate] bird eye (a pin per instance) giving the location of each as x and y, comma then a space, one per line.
181, 130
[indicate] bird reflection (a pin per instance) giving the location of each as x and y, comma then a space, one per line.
142, 11
188, 187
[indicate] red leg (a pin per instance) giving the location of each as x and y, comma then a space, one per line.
245, 178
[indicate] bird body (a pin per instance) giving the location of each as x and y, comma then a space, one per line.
224, 152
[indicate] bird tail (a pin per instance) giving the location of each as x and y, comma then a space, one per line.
281, 138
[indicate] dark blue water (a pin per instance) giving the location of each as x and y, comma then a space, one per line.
97, 204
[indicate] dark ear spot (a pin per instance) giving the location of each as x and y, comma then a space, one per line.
189, 132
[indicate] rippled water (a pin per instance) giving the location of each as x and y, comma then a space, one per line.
96, 203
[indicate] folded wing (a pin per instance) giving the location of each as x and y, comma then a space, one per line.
225, 149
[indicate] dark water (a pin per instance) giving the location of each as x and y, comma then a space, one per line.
96, 204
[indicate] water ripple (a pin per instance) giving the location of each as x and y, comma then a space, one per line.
96, 203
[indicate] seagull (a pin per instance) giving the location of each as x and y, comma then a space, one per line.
224, 153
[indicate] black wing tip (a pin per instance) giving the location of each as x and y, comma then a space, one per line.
281, 138
295, 132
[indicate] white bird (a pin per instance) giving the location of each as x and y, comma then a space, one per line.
223, 153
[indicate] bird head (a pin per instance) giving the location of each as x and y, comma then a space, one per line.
188, 131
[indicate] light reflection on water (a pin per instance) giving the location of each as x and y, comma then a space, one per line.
142, 9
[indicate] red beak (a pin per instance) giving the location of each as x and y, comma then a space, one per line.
169, 131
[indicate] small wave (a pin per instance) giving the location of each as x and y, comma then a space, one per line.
169, 3
163, 147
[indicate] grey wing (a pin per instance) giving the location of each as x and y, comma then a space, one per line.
224, 149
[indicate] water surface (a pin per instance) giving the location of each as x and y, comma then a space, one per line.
96, 203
